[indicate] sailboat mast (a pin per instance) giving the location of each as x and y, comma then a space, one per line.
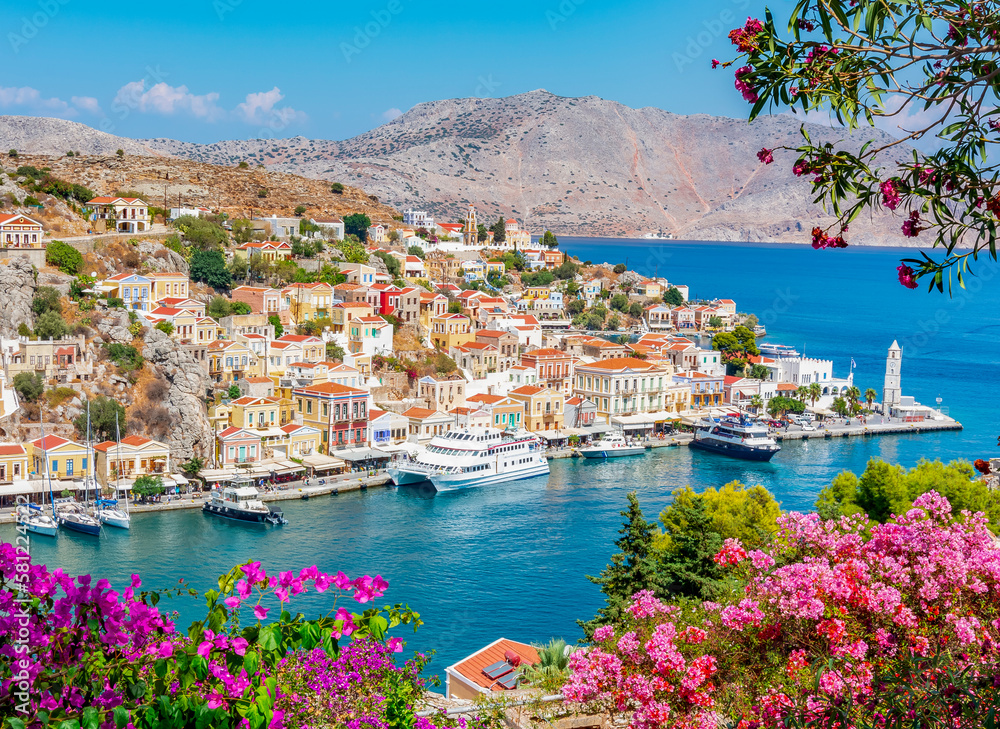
86, 488
118, 456
45, 457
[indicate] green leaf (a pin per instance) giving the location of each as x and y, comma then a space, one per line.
69, 724
91, 719
121, 716
251, 661
15, 723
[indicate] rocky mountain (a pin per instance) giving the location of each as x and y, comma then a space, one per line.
42, 135
584, 166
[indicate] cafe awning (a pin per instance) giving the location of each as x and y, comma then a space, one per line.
216, 474
321, 462
362, 454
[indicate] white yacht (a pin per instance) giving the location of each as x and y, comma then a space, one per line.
108, 512
470, 457
737, 438
35, 520
242, 503
614, 445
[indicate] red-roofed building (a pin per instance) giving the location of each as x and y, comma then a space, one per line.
119, 214
66, 458
472, 676
20, 231
135, 456
624, 386
424, 424
13, 462
543, 407
238, 445
339, 412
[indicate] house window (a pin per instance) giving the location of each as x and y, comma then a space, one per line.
55, 465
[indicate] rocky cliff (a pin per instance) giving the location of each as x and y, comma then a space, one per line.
190, 433
17, 289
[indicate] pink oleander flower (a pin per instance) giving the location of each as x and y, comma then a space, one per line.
890, 195
748, 91
766, 155
911, 226
907, 276
747, 37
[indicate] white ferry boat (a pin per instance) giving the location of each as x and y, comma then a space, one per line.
470, 457
736, 438
242, 503
614, 445
781, 351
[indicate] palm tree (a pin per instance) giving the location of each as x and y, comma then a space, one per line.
802, 393
815, 392
756, 403
853, 394
552, 668
871, 395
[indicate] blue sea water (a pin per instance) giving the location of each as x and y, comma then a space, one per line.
511, 561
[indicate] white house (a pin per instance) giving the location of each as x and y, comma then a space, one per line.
330, 227
418, 219
19, 231
120, 214
804, 371
281, 227
181, 212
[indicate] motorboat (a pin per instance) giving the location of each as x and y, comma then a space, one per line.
242, 502
470, 457
737, 438
74, 517
35, 520
613, 445
108, 512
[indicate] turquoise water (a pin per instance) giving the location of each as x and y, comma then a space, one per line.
510, 561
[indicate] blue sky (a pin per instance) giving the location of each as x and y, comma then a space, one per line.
205, 70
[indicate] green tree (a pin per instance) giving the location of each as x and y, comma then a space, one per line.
234, 392
392, 264
241, 308
549, 240
209, 267
673, 297
275, 321
499, 230
619, 302
778, 406
865, 60
146, 486
219, 307
334, 352
242, 230
165, 327
619, 268
840, 406
191, 467
202, 232
102, 419
613, 324
735, 511
687, 567
715, 322
64, 257
635, 310
870, 396
759, 372
576, 306
566, 270
815, 392
337, 188
125, 356
46, 299
353, 251
357, 224
417, 251
632, 569
300, 210
50, 325
29, 386
454, 307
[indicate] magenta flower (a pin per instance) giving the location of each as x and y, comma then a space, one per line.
748, 91
765, 155
911, 226
165, 649
243, 589
395, 645
239, 646
907, 276
232, 602
715, 64
890, 195
260, 612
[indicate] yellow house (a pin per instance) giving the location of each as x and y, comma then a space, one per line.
13, 462
298, 441
137, 456
169, 285
451, 330
308, 301
344, 313
66, 458
231, 361
536, 292
255, 412
543, 407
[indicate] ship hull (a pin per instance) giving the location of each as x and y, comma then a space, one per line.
402, 477
45, 530
612, 452
459, 482
93, 530
250, 517
119, 521
734, 450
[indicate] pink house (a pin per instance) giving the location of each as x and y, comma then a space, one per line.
238, 445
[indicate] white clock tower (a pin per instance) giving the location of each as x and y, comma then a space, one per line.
893, 364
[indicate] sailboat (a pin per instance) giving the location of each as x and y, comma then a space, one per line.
107, 509
71, 515
32, 517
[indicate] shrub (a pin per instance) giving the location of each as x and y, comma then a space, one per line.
275, 321
210, 267
201, 232
240, 308
28, 385
50, 325
32, 201
619, 268
64, 257
105, 414
46, 299
337, 188
58, 395
125, 356
165, 327
219, 307
813, 629
357, 224
262, 192
243, 165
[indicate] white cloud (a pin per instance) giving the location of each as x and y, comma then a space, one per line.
390, 114
86, 103
259, 108
32, 100
162, 98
